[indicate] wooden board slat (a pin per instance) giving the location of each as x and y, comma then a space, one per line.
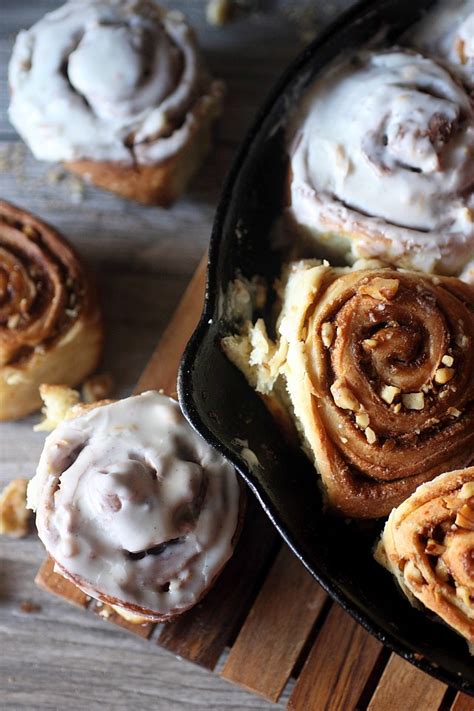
462, 702
402, 683
201, 634
51, 582
337, 668
276, 629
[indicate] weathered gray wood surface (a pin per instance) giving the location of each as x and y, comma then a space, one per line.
60, 657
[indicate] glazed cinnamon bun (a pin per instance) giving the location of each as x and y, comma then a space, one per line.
50, 323
447, 33
375, 366
428, 545
381, 163
117, 90
134, 508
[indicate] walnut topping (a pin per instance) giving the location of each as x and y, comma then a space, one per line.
413, 401
465, 517
30, 231
397, 408
13, 321
344, 397
381, 289
447, 360
369, 343
362, 419
327, 334
14, 516
370, 435
442, 570
467, 490
443, 375
389, 393
434, 548
454, 412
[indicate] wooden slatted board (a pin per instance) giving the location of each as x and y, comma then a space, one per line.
277, 624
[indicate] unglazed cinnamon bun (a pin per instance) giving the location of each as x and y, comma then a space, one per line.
134, 508
118, 91
50, 323
381, 163
428, 545
377, 368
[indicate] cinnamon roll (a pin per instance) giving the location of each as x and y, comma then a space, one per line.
447, 33
381, 156
428, 545
377, 368
134, 508
117, 90
50, 323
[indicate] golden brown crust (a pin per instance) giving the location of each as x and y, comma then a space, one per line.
379, 369
428, 544
50, 323
160, 184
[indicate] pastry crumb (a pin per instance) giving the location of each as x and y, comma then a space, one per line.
14, 516
97, 387
58, 401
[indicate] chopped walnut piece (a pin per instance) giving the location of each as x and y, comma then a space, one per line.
465, 517
443, 375
362, 420
369, 343
463, 594
97, 387
467, 490
327, 334
397, 408
413, 401
370, 435
447, 360
454, 412
381, 289
434, 548
413, 575
58, 401
388, 393
14, 516
344, 397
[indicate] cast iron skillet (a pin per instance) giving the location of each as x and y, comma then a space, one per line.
222, 408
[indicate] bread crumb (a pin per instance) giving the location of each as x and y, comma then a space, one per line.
97, 387
58, 401
14, 516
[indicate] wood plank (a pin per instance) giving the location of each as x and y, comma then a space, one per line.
53, 583
401, 680
337, 668
276, 629
462, 702
202, 634
162, 369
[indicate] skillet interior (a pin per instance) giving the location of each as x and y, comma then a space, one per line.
222, 407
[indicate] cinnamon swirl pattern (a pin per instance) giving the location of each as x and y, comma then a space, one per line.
50, 324
382, 163
428, 545
134, 507
117, 90
378, 366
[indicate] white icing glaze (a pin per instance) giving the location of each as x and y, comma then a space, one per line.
117, 80
447, 33
123, 479
382, 148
